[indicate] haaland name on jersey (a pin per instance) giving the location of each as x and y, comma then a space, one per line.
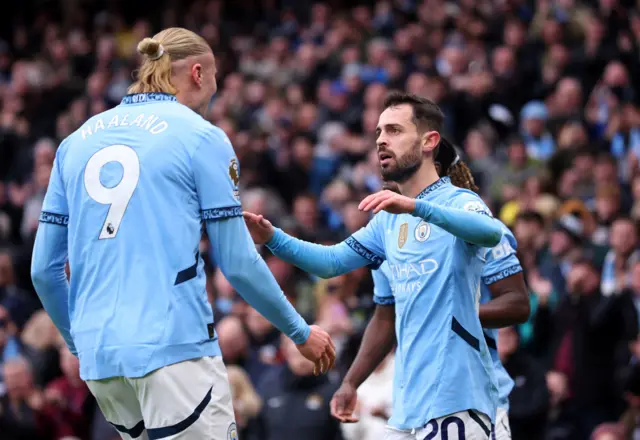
150, 124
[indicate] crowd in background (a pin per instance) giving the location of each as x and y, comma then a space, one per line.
540, 96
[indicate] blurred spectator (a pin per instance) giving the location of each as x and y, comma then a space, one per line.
19, 303
529, 400
296, 403
22, 414
246, 402
565, 247
584, 334
540, 143
509, 180
10, 346
67, 400
621, 258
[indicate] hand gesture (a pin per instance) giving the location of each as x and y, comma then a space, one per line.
541, 286
343, 404
260, 228
319, 349
388, 201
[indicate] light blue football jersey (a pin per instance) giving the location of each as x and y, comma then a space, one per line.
502, 262
443, 364
133, 185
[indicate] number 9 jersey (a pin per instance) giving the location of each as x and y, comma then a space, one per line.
133, 186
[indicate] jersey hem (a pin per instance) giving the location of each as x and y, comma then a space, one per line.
103, 363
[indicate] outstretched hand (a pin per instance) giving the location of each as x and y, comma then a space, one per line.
260, 228
389, 201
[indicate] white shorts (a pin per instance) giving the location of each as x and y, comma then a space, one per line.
190, 400
502, 430
464, 425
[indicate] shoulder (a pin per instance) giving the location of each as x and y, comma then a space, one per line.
468, 201
213, 138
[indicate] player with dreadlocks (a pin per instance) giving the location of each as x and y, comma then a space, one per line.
504, 302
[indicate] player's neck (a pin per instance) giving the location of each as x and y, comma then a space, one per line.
423, 177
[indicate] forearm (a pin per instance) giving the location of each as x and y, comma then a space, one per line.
319, 260
377, 342
249, 275
469, 226
49, 278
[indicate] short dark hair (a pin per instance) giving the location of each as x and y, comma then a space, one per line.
531, 216
426, 113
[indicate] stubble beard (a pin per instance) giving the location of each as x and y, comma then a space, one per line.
406, 166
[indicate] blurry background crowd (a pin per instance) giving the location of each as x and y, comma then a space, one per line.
541, 96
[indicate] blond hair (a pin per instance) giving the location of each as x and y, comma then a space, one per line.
167, 46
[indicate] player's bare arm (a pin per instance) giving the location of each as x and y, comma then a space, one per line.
510, 303
377, 342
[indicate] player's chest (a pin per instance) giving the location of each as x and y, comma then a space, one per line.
417, 252
408, 238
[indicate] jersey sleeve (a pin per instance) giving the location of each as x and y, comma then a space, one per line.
323, 261
382, 293
217, 175
236, 255
368, 242
54, 207
502, 261
470, 202
50, 254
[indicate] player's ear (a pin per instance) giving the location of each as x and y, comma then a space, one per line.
430, 140
196, 74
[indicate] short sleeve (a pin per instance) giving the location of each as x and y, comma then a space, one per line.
502, 261
217, 176
382, 293
368, 242
54, 207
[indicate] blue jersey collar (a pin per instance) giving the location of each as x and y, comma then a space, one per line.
434, 186
139, 98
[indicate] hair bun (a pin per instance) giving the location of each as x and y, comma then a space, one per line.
151, 48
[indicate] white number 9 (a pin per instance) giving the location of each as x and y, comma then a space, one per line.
118, 196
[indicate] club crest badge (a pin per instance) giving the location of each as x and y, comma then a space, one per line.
232, 432
423, 231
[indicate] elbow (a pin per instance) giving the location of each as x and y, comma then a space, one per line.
494, 237
521, 309
39, 275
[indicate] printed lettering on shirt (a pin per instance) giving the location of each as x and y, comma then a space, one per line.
150, 124
405, 271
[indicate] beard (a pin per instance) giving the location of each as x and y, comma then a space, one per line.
405, 166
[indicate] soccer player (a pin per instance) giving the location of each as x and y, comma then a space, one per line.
433, 237
128, 193
502, 279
